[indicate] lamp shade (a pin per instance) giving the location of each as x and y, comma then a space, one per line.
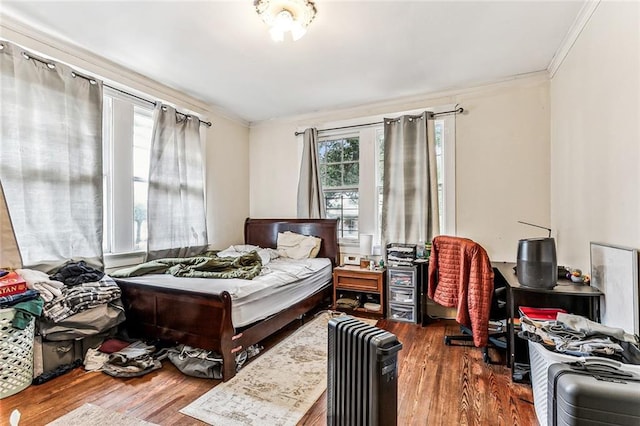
366, 244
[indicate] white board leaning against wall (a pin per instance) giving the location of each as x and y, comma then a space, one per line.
614, 271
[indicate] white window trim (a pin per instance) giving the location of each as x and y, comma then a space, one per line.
119, 161
346, 133
449, 174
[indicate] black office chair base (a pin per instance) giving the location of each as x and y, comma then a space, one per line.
496, 340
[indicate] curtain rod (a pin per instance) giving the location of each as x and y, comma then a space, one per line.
52, 65
206, 123
453, 111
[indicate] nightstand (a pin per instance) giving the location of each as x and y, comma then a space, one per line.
367, 286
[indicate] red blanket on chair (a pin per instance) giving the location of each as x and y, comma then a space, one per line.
461, 276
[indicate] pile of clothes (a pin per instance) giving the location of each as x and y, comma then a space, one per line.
576, 335
73, 288
75, 306
120, 358
26, 302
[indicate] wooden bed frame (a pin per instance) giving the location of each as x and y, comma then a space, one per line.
204, 320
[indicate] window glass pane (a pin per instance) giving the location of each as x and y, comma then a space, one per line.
333, 152
439, 140
140, 215
142, 129
340, 174
351, 173
322, 151
343, 205
351, 149
333, 177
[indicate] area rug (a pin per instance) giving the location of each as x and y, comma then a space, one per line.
277, 388
92, 415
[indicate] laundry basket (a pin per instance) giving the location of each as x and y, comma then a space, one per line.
16, 355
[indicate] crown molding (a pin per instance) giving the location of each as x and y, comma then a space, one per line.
15, 31
572, 35
451, 96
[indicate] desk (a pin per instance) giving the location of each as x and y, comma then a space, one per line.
577, 299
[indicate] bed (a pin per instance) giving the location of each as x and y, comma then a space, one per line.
205, 320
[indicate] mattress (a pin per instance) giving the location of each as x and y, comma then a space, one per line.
281, 283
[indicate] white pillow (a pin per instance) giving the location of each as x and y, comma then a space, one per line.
297, 246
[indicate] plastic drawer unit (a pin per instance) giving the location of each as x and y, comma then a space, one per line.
402, 293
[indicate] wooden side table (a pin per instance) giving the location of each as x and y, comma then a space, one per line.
360, 283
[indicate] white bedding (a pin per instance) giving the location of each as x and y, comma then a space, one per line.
282, 283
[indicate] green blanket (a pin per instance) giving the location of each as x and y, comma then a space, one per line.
206, 265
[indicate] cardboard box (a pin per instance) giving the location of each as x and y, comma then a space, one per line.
11, 284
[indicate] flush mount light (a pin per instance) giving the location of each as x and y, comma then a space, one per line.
286, 16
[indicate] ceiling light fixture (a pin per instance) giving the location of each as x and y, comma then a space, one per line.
286, 16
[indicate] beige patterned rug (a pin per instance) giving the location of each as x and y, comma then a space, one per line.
92, 415
277, 388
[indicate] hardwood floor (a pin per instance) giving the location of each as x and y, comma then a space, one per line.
438, 385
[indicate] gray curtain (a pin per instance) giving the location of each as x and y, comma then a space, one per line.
176, 210
410, 192
310, 197
51, 158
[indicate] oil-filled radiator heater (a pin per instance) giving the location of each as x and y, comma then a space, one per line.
362, 381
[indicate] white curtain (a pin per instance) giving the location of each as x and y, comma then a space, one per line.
410, 191
310, 198
176, 211
51, 158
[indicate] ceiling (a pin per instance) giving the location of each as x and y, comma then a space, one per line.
354, 53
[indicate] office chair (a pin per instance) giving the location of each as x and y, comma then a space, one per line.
497, 339
461, 276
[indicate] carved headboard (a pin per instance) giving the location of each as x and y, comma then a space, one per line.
264, 233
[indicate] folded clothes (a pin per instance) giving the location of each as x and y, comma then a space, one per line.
9, 301
580, 323
25, 311
38, 280
346, 303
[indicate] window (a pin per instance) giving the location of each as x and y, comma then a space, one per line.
348, 174
339, 160
352, 174
127, 127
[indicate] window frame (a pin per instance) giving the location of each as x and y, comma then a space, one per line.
119, 177
343, 135
369, 223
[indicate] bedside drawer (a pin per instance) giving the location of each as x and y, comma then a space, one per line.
357, 282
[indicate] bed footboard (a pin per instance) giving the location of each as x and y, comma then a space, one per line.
194, 319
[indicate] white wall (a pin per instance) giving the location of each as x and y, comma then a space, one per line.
226, 150
595, 136
227, 163
502, 156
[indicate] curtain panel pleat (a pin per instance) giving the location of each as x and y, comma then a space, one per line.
51, 158
410, 191
310, 198
176, 209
